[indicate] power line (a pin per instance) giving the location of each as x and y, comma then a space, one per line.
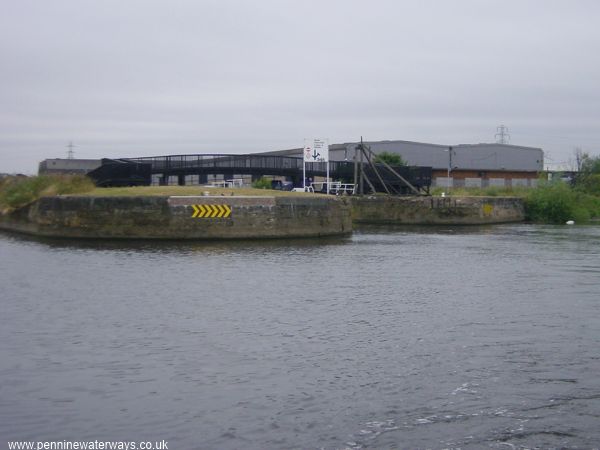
502, 136
588, 140
70, 153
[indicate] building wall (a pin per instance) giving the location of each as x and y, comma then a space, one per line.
497, 157
472, 165
414, 153
462, 174
66, 166
474, 178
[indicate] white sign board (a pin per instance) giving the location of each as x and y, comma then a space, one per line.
308, 149
316, 150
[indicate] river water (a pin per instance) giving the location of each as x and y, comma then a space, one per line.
483, 337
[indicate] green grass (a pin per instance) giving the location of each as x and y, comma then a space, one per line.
16, 192
492, 191
186, 190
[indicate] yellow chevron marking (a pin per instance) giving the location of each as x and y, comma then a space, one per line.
488, 209
211, 211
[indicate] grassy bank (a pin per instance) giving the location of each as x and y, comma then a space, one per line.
550, 202
16, 192
187, 190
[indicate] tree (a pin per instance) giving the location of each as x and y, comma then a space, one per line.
590, 164
393, 159
588, 178
579, 157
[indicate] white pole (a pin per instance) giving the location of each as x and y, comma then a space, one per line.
327, 143
304, 167
303, 173
449, 167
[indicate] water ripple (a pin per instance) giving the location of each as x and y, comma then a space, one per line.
483, 337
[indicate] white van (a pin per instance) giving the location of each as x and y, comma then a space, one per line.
304, 189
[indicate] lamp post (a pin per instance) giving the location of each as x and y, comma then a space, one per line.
449, 165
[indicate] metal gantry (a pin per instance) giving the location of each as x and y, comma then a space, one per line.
392, 182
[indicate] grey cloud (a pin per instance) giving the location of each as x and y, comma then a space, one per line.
139, 77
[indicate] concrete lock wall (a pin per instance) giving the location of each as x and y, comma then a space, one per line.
437, 210
203, 217
224, 217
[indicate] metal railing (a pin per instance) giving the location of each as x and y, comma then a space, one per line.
234, 163
256, 164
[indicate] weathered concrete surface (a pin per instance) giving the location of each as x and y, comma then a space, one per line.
171, 217
437, 210
251, 217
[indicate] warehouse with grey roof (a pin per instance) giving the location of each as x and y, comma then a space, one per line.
462, 165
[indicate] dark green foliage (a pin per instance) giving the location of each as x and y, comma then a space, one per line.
262, 183
16, 192
590, 164
589, 183
588, 179
591, 203
393, 159
556, 202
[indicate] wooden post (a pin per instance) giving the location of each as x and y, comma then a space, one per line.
362, 170
355, 167
376, 172
388, 167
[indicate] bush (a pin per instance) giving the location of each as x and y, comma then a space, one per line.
392, 159
589, 183
16, 192
550, 202
556, 202
591, 203
588, 178
262, 183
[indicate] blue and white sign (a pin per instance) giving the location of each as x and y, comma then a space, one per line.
316, 150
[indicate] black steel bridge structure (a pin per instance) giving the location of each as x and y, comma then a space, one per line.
139, 171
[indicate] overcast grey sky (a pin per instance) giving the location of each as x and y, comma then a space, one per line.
143, 77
